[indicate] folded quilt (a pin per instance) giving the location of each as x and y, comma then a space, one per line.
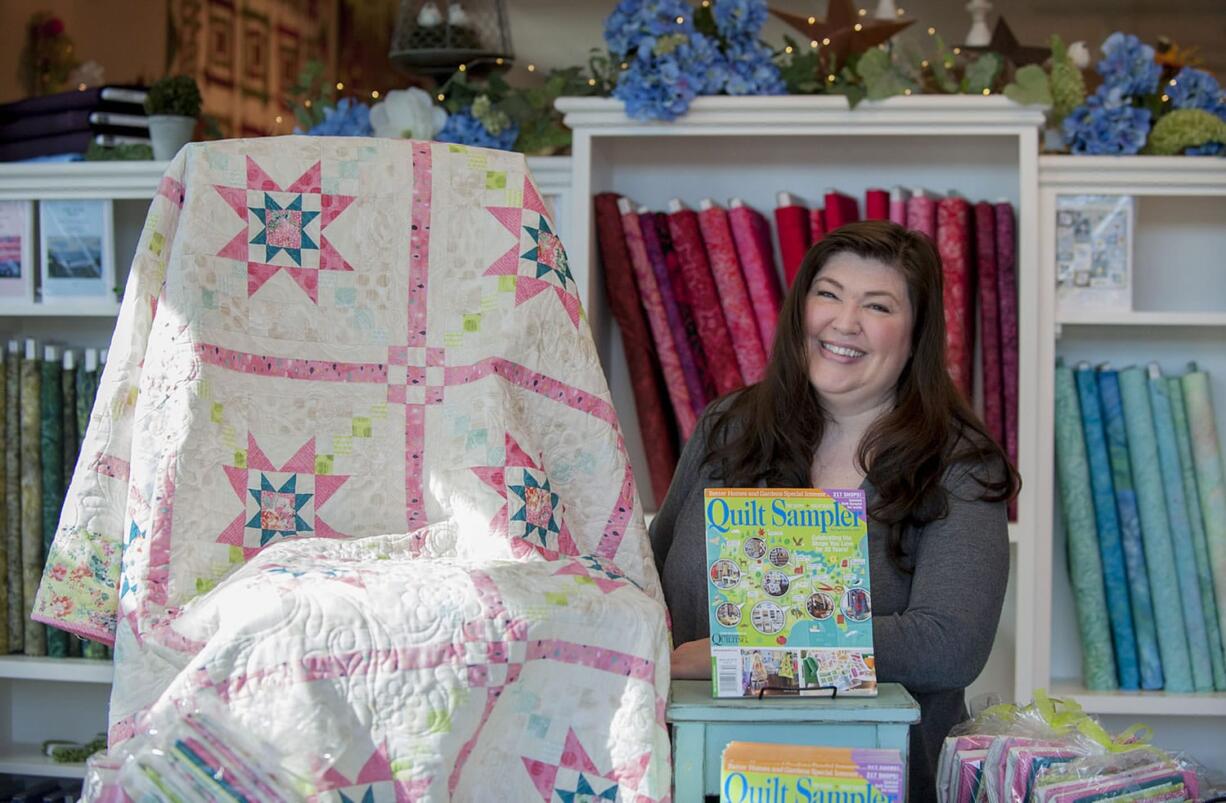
354, 471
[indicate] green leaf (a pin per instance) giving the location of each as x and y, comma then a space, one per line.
1030, 87
982, 72
881, 78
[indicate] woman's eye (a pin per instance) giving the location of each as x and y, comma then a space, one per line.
878, 308
826, 294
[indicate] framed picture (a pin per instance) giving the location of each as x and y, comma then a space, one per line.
76, 249
1094, 252
16, 251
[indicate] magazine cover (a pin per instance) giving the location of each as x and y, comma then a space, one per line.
788, 587
77, 248
17, 250
1094, 252
752, 771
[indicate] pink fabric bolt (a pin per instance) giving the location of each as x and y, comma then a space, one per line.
953, 245
733, 294
657, 318
753, 245
704, 299
989, 321
695, 391
1006, 279
922, 214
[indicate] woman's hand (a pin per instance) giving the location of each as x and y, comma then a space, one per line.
692, 660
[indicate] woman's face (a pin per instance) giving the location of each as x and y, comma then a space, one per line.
858, 322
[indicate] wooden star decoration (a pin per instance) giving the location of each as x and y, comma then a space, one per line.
843, 32
1006, 44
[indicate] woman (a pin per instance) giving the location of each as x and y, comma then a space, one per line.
857, 396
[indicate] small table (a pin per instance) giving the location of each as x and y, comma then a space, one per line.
703, 725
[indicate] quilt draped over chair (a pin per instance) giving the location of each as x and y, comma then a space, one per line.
354, 472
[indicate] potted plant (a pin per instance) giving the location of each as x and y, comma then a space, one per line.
173, 105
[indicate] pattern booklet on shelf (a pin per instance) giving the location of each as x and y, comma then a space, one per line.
788, 590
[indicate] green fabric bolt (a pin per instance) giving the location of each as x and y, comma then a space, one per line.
87, 389
51, 426
1155, 531
32, 555
1085, 564
1204, 570
1210, 482
12, 498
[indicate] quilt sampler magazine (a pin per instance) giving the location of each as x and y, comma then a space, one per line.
788, 586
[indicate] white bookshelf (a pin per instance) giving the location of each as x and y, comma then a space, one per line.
982, 147
1178, 315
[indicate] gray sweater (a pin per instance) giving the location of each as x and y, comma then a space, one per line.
932, 628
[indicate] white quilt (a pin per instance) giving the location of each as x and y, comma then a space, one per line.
354, 472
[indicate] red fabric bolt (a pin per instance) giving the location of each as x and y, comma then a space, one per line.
733, 294
817, 226
683, 292
989, 320
876, 204
922, 215
649, 398
677, 322
657, 319
792, 227
953, 245
752, 235
1006, 275
704, 301
840, 210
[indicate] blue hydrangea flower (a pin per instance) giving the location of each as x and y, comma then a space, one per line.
657, 90
739, 19
464, 129
349, 118
702, 59
1197, 89
637, 24
1129, 65
1107, 123
752, 70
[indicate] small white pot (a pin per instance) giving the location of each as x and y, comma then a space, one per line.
169, 133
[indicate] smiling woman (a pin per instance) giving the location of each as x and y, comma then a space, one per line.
857, 395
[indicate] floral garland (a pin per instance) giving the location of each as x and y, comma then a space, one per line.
670, 54
661, 54
1142, 105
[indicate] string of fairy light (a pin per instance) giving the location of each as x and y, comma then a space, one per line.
680, 20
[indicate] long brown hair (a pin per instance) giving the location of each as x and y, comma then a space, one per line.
769, 432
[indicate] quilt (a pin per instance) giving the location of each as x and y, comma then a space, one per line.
354, 474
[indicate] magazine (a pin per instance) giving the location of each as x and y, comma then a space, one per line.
789, 594
752, 771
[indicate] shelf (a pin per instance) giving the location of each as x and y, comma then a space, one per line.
70, 670
63, 307
1133, 175
28, 759
1126, 318
1144, 703
784, 115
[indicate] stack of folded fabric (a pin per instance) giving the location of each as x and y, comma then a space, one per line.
66, 124
1052, 752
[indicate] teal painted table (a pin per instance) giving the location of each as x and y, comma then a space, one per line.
703, 726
